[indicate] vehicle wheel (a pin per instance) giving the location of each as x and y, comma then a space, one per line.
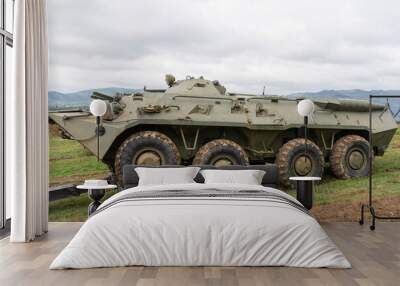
221, 152
146, 148
349, 157
292, 161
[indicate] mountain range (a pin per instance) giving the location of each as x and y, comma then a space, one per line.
345, 94
394, 104
82, 98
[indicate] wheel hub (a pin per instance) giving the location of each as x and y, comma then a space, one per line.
303, 165
150, 158
356, 160
222, 162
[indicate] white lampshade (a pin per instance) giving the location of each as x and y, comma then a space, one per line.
98, 107
305, 107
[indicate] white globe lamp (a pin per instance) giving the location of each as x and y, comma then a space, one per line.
305, 107
98, 108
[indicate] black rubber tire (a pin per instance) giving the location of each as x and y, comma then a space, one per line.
338, 158
220, 149
288, 154
133, 145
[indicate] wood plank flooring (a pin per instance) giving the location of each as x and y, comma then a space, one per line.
375, 257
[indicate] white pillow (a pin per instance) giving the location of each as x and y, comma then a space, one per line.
248, 177
166, 176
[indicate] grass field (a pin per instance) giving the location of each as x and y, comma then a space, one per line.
335, 200
71, 163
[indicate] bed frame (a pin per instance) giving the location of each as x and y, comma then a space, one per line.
130, 178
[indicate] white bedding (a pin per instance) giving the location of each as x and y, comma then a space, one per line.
200, 231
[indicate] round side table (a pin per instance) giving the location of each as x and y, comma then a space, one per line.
304, 190
95, 193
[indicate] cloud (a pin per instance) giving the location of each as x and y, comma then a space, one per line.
287, 45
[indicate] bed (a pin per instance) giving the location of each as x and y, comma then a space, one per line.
201, 224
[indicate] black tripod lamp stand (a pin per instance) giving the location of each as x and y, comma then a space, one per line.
369, 206
98, 108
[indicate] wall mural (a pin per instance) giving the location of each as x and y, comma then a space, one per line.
206, 97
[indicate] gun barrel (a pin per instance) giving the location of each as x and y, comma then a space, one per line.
102, 96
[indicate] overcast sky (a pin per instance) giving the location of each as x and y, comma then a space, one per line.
289, 46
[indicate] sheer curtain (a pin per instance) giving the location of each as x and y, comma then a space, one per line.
27, 131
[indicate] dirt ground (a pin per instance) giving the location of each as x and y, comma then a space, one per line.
59, 181
351, 211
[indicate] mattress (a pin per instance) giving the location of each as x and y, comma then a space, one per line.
201, 225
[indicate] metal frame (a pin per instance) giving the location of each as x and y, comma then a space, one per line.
6, 39
185, 143
370, 206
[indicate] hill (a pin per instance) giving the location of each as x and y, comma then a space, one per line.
346, 94
354, 94
82, 97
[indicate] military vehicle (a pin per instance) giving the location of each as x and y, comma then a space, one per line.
196, 121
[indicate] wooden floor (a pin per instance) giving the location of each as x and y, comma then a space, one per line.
375, 257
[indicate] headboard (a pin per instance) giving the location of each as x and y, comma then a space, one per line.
130, 178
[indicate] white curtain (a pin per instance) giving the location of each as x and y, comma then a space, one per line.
27, 131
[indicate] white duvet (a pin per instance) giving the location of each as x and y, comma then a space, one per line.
200, 231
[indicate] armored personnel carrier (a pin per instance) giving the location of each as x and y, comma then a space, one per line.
196, 121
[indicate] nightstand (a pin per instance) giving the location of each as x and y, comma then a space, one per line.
96, 191
304, 190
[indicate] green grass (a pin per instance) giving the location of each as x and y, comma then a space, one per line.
386, 180
71, 163
71, 209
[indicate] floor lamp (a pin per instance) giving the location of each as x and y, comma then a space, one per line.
305, 108
305, 183
98, 108
369, 206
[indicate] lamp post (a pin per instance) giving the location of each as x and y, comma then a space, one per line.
98, 108
305, 108
305, 182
